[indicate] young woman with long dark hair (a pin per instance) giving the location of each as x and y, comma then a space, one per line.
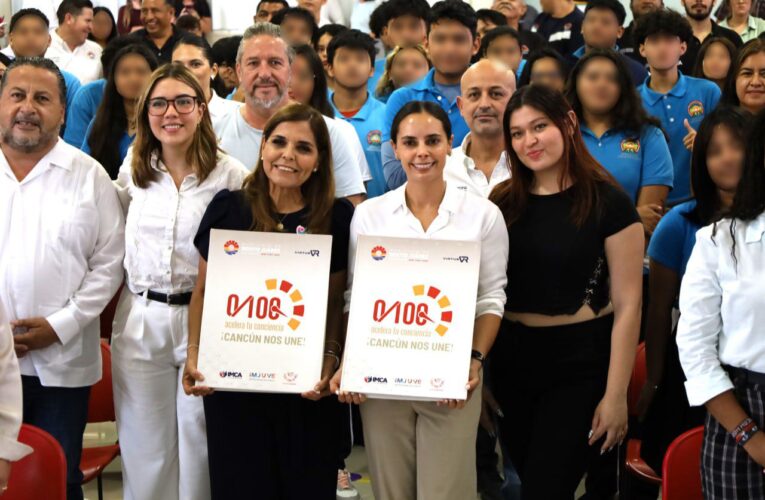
563, 359
111, 132
719, 335
618, 132
716, 165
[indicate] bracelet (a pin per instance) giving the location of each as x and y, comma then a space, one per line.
339, 346
740, 427
478, 356
334, 355
745, 436
192, 345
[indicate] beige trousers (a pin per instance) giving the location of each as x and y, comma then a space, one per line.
417, 450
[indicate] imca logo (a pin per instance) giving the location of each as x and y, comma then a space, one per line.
375, 380
227, 374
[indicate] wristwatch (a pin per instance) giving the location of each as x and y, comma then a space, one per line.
478, 355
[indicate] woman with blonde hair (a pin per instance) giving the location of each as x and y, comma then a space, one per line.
175, 170
403, 66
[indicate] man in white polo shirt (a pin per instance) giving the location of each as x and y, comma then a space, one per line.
61, 252
479, 163
70, 48
263, 65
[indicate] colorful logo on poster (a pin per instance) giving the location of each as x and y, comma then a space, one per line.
379, 253
416, 312
630, 146
695, 108
269, 306
231, 247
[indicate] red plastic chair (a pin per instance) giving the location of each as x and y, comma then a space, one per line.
100, 409
634, 464
682, 467
41, 474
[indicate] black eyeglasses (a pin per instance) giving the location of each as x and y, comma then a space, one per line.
183, 104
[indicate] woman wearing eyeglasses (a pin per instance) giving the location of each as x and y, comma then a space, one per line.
166, 184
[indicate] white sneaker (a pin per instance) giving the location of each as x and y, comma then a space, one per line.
345, 489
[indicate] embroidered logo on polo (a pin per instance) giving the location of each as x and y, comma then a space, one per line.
374, 138
630, 146
695, 108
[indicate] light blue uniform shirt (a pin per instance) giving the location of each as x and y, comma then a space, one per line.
691, 99
82, 111
379, 70
421, 90
635, 161
368, 123
125, 142
673, 239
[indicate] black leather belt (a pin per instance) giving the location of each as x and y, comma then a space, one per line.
744, 376
173, 299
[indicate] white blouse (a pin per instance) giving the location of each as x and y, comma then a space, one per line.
162, 220
722, 308
461, 216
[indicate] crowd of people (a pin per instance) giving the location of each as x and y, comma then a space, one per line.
614, 177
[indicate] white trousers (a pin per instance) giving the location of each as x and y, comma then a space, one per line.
161, 430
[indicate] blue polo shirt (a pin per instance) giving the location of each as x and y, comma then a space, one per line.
634, 160
425, 90
421, 90
82, 111
691, 99
674, 237
379, 70
368, 123
125, 142
638, 73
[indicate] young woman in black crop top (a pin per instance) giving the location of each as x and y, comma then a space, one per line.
563, 358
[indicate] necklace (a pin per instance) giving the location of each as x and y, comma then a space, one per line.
280, 225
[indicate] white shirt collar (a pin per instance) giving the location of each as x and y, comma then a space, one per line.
59, 156
755, 229
449, 203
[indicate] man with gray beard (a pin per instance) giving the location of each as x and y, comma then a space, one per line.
61, 251
263, 66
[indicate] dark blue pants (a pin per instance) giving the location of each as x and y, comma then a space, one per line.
62, 412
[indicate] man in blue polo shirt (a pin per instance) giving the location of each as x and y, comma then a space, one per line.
350, 56
452, 42
680, 102
405, 25
601, 29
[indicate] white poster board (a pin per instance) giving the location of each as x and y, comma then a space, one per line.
265, 311
410, 331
